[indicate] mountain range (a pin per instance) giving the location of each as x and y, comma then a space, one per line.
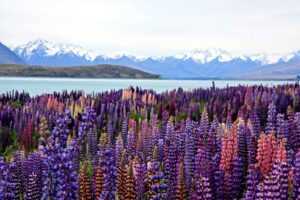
207, 63
8, 57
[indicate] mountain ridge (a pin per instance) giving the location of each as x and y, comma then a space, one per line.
213, 62
201, 55
7, 56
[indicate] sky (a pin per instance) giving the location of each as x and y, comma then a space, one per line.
155, 27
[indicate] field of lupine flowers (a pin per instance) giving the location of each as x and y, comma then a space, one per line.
224, 144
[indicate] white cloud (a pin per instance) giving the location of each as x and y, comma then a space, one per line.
155, 27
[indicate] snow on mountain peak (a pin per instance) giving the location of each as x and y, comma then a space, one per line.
208, 55
267, 59
47, 48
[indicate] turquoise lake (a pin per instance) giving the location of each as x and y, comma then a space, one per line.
37, 86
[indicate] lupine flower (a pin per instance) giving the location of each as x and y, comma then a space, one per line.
202, 189
121, 177
98, 181
130, 192
181, 190
85, 192
297, 177
271, 120
139, 144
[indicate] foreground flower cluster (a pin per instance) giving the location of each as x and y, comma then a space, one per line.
232, 143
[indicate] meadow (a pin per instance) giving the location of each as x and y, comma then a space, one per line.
239, 142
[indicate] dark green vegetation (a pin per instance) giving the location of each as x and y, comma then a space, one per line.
96, 71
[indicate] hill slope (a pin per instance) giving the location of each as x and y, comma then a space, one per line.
8, 57
97, 71
281, 70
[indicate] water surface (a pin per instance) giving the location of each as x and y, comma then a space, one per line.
37, 86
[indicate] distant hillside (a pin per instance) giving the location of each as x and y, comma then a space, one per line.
8, 57
280, 70
97, 71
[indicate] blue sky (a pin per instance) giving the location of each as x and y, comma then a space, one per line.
156, 27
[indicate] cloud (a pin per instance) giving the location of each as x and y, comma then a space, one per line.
155, 27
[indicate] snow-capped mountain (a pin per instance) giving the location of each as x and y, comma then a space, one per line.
43, 48
212, 62
207, 55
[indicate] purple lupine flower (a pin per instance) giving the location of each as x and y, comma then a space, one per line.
170, 167
158, 188
19, 173
282, 127
92, 143
108, 165
291, 127
169, 130
271, 119
219, 184
202, 163
131, 142
2, 178
255, 124
295, 138
237, 177
14, 180
124, 130
228, 186
46, 176
7, 185
242, 143
189, 158
202, 189
65, 176
252, 181
119, 147
252, 149
204, 123
58, 167
283, 180
275, 184
33, 165
140, 174
163, 129
212, 137
296, 177
32, 190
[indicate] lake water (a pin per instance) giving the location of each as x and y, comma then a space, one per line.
37, 86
